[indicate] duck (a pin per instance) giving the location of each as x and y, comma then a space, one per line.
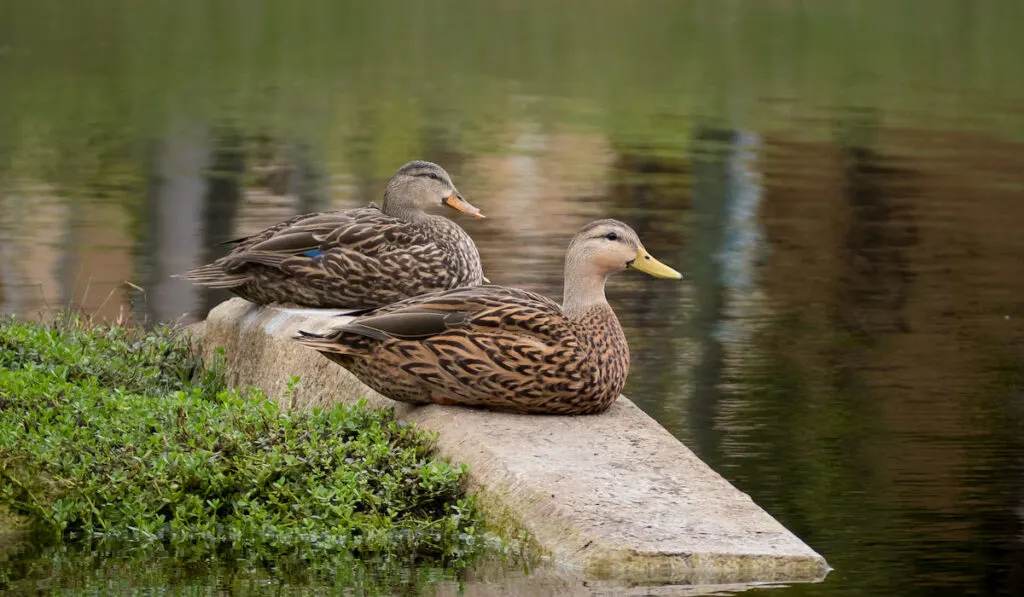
500, 348
360, 258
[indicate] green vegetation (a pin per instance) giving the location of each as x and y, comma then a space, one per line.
112, 437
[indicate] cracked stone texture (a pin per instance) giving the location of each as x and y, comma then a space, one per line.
613, 495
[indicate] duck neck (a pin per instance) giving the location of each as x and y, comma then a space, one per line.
584, 290
402, 210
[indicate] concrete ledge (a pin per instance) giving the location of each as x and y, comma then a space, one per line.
613, 495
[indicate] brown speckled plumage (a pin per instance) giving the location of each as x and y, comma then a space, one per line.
502, 348
359, 258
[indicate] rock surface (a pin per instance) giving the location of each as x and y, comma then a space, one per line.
614, 495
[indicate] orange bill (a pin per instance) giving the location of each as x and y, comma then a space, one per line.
455, 201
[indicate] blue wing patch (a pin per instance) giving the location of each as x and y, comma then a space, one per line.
313, 253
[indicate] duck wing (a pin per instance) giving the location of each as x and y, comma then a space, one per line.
320, 221
463, 312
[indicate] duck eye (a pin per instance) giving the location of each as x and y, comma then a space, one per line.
434, 176
612, 236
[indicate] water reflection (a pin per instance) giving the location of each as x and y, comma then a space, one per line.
103, 572
840, 183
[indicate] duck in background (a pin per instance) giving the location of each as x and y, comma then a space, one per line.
359, 258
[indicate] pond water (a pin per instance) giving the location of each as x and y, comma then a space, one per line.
842, 184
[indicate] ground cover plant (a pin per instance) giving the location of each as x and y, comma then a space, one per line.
120, 436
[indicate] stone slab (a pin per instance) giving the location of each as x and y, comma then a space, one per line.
614, 496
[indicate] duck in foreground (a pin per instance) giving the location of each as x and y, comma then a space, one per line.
359, 258
503, 348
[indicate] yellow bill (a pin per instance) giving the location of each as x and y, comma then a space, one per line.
649, 265
455, 201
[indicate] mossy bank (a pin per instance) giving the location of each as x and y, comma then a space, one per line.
114, 436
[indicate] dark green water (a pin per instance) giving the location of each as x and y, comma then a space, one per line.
841, 182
